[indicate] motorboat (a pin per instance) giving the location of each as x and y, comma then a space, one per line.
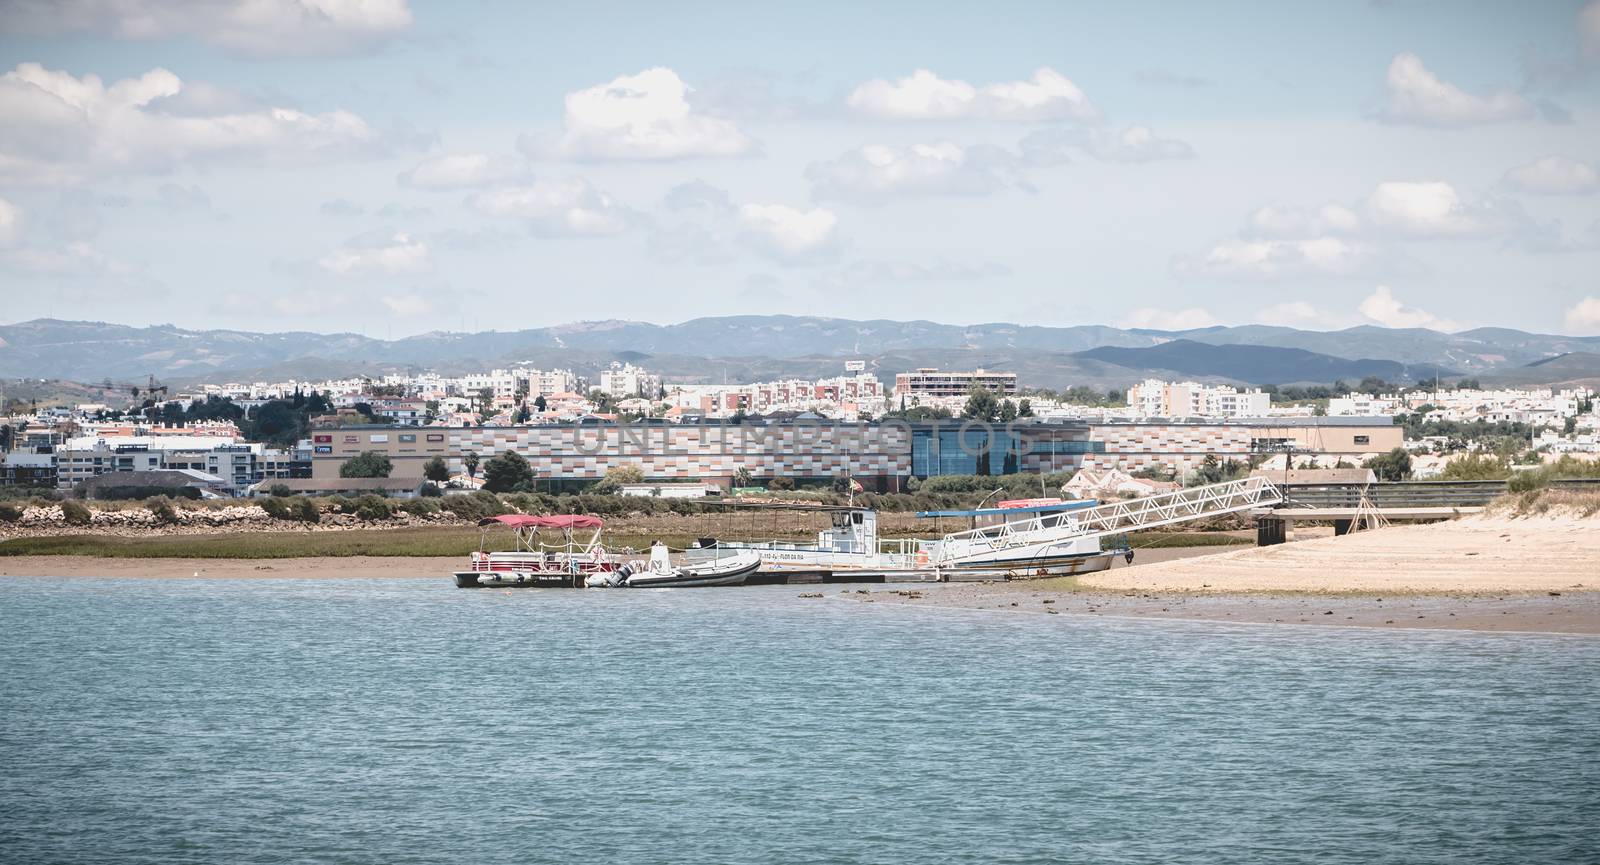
703, 567
567, 561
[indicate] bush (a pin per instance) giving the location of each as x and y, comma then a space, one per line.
615, 478
1528, 481
474, 506
420, 507
75, 513
367, 464
10, 513
430, 490
780, 484
305, 510
506, 472
373, 508
161, 508
278, 508
282, 491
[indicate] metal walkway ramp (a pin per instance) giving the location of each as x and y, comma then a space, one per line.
1111, 519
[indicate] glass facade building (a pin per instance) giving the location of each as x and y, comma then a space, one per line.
992, 449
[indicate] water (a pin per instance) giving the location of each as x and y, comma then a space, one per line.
399, 721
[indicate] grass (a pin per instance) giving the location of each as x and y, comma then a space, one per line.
408, 542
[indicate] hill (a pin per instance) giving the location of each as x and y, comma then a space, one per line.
1259, 364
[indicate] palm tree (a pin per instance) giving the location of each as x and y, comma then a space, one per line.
470, 460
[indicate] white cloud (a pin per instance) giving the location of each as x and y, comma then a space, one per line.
868, 274
10, 222
879, 172
407, 304
1584, 316
1415, 95
1384, 308
788, 234
74, 259
1426, 209
1292, 222
1554, 175
258, 28
60, 128
1270, 259
556, 208
464, 170
1138, 144
644, 116
399, 253
1048, 95
1152, 318
1294, 313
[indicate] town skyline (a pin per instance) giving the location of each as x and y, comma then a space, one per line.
397, 168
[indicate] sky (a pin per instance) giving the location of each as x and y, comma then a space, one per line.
392, 167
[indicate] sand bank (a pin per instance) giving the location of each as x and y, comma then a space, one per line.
1476, 554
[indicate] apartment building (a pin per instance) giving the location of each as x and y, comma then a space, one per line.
1156, 398
928, 381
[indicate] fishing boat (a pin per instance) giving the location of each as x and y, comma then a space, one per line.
710, 566
568, 561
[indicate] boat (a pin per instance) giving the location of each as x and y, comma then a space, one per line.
566, 563
850, 547
705, 566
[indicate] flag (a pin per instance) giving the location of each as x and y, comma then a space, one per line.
856, 487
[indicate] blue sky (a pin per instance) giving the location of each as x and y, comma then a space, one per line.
394, 167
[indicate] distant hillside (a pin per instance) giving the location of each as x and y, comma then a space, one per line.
1571, 369
741, 347
1257, 364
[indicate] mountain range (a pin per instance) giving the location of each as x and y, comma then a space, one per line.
748, 348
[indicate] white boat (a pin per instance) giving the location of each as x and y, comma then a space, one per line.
714, 567
567, 563
850, 546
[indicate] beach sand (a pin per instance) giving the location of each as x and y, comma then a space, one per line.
1483, 573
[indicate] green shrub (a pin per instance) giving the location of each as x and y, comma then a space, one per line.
1528, 481
420, 507
431, 490
277, 508
305, 510
373, 508
75, 513
341, 504
281, 491
161, 508
10, 513
780, 484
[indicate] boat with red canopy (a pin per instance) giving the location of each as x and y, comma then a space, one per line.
572, 553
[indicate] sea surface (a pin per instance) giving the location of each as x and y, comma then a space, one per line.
405, 721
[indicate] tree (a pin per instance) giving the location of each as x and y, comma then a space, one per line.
506, 472
616, 477
739, 417
539, 403
1008, 411
485, 399
521, 416
367, 464
981, 404
1025, 408
435, 470
1392, 466
280, 490
741, 477
470, 460
780, 483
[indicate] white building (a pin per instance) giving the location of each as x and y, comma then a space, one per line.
1156, 398
627, 380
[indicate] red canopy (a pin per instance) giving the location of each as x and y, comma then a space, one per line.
556, 521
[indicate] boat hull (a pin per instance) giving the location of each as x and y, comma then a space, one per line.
687, 578
513, 580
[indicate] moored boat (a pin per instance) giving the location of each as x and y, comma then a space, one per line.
567, 563
713, 567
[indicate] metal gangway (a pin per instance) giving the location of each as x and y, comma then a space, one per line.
1113, 518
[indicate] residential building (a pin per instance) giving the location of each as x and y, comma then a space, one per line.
928, 381
1157, 398
626, 380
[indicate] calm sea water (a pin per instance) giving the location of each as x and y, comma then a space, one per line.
398, 721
